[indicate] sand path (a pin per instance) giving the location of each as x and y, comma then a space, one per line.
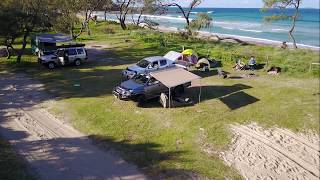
259, 153
54, 149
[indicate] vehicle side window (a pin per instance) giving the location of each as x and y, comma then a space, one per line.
72, 52
60, 53
155, 64
153, 81
163, 62
80, 51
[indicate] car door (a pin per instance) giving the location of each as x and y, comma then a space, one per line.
153, 88
163, 63
81, 53
72, 55
152, 66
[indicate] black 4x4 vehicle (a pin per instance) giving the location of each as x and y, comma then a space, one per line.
143, 87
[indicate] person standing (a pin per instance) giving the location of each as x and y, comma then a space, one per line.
252, 63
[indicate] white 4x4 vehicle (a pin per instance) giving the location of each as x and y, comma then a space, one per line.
66, 54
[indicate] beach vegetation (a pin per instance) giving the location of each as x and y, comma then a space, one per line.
203, 20
281, 5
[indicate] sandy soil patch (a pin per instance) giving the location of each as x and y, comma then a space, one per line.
259, 153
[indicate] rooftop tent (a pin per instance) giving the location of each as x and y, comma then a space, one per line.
173, 56
53, 38
174, 77
47, 42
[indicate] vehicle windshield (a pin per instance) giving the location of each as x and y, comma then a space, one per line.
140, 79
143, 63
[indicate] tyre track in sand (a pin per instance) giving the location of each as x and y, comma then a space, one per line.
54, 149
276, 153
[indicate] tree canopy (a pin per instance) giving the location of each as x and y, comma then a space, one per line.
281, 5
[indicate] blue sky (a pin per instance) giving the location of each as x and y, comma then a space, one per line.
245, 3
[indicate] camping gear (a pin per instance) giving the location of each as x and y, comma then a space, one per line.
173, 56
203, 64
190, 56
274, 70
46, 43
174, 77
222, 73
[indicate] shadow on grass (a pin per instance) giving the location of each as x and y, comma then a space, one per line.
232, 96
87, 161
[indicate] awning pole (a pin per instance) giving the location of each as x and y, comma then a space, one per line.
200, 92
169, 98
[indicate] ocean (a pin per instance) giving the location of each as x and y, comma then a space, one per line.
246, 22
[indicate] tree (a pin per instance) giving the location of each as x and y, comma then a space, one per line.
89, 6
67, 18
186, 11
123, 10
29, 16
145, 6
283, 4
11, 26
203, 20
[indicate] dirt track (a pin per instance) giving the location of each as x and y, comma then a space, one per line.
53, 148
276, 153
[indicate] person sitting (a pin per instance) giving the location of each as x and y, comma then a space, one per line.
239, 65
252, 63
284, 45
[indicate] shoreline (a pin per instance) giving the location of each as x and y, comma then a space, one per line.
250, 40
247, 39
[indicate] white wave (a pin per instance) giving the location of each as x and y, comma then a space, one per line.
227, 28
194, 12
179, 18
279, 30
209, 12
250, 30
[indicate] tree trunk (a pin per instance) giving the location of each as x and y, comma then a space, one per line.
88, 29
292, 37
294, 19
24, 44
8, 52
105, 15
123, 24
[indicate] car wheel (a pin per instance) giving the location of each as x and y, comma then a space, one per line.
77, 62
51, 65
141, 99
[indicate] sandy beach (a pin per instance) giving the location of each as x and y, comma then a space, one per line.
250, 40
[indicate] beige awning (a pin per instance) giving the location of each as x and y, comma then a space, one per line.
174, 77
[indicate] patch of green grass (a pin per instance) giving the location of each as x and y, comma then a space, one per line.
171, 141
11, 166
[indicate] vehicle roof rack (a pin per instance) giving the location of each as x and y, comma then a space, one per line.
71, 45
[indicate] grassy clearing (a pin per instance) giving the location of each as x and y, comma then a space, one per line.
11, 166
173, 142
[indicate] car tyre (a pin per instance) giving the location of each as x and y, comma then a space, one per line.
77, 62
51, 65
141, 99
